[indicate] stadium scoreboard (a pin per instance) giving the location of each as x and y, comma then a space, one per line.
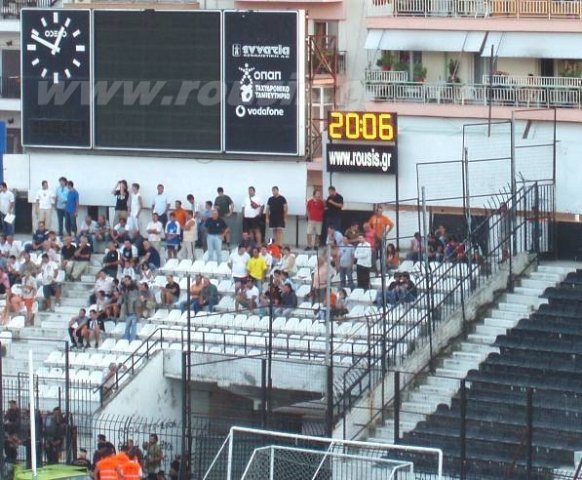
187, 81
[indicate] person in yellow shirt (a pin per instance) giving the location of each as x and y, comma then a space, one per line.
257, 267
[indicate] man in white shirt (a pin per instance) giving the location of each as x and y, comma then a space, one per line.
6, 208
9, 248
155, 232
45, 199
363, 256
135, 207
238, 264
252, 215
247, 297
50, 288
161, 205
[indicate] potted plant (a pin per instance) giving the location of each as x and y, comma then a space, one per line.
419, 72
571, 70
385, 61
401, 66
453, 69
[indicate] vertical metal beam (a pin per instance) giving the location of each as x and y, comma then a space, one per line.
187, 460
396, 407
270, 355
529, 431
328, 346
463, 432
263, 393
384, 318
427, 274
490, 90
1, 413
67, 406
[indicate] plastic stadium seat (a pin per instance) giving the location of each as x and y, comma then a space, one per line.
312, 262
224, 269
356, 295
197, 267
16, 322
107, 345
183, 267
55, 358
303, 291
303, 274
170, 265
301, 260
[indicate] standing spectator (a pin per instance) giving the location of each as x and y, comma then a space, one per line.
129, 301
346, 264
352, 233
28, 294
155, 231
333, 208
180, 213
72, 209
45, 199
363, 256
320, 279
6, 208
54, 435
153, 457
416, 248
160, 205
12, 418
276, 215
135, 206
381, 225
62, 195
225, 206
204, 215
50, 287
189, 237
193, 205
121, 193
172, 236
252, 215
216, 229
315, 212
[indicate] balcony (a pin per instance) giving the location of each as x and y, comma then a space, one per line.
324, 57
504, 91
477, 8
11, 8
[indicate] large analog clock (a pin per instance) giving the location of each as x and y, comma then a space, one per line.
56, 83
56, 45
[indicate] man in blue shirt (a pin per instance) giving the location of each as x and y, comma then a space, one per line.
172, 236
61, 195
72, 209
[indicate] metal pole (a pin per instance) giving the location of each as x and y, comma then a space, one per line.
490, 90
384, 316
427, 273
187, 460
529, 430
270, 354
467, 190
185, 386
32, 415
397, 190
1, 413
396, 407
329, 346
263, 393
463, 433
67, 406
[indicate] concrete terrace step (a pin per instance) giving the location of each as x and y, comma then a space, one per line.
552, 277
492, 330
528, 300
508, 315
534, 283
481, 348
532, 292
519, 308
500, 323
482, 339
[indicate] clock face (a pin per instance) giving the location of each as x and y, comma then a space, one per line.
56, 45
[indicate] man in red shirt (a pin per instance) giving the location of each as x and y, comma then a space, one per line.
315, 212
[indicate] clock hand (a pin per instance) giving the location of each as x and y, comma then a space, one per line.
42, 41
58, 40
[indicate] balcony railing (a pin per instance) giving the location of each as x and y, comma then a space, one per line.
513, 95
532, 81
477, 8
11, 8
9, 87
385, 76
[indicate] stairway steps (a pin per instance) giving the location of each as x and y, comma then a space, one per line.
500, 323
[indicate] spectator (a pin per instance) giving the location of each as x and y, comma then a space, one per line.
287, 263
82, 460
237, 262
104, 447
190, 237
128, 254
103, 283
161, 205
180, 213
76, 325
353, 232
50, 287
252, 215
204, 215
153, 457
268, 257
346, 264
43, 207
88, 229
441, 234
340, 309
257, 268
151, 256
92, 329
320, 280
132, 448
247, 242
276, 215
195, 292
288, 300
6, 208
225, 206
111, 260
333, 208
120, 232
216, 229
208, 296
171, 292
130, 308
175, 468
155, 231
380, 224
247, 297
54, 435
11, 444
402, 289
315, 211
12, 418
173, 232
72, 209
28, 294
334, 237
392, 258
363, 256
146, 301
135, 207
61, 197
416, 248
370, 237
193, 205
102, 232
121, 193
80, 262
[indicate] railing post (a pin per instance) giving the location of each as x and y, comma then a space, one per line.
67, 406
263, 393
2, 414
463, 432
529, 430
396, 407
536, 230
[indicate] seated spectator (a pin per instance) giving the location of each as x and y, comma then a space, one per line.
146, 300
402, 289
92, 329
147, 275
14, 307
131, 309
38, 238
333, 236
67, 251
268, 257
24, 264
340, 309
247, 242
416, 248
104, 283
120, 232
4, 282
12, 268
208, 296
287, 263
288, 300
111, 260
130, 269
151, 256
76, 325
28, 295
392, 258
50, 251
441, 234
80, 263
257, 268
102, 232
247, 297
171, 292
88, 229
103, 305
50, 287
10, 247
195, 292
54, 241
128, 252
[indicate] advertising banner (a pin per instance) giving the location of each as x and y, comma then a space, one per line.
362, 158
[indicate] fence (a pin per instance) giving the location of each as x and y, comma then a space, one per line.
515, 227
12, 8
